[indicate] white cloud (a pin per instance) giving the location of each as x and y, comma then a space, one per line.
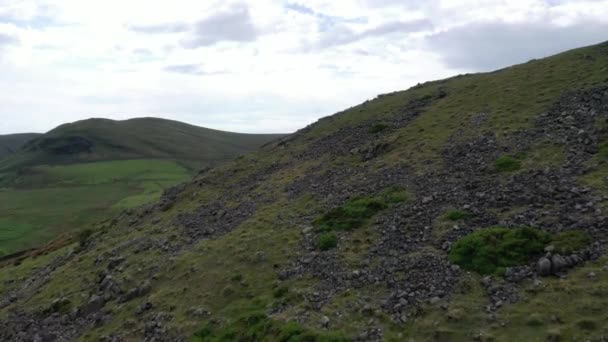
257, 66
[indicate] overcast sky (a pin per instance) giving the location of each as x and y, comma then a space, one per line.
259, 65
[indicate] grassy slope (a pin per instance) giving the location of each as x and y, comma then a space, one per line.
12, 142
55, 200
225, 276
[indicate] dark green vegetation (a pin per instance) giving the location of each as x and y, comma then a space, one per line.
259, 327
456, 215
507, 164
492, 250
9, 144
84, 172
237, 242
327, 240
356, 212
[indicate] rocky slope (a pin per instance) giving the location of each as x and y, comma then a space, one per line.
238, 253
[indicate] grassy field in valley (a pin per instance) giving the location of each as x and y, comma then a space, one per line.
51, 200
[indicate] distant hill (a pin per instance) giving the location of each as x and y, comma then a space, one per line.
10, 143
149, 138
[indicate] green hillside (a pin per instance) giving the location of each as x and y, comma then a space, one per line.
10, 143
103, 140
80, 173
467, 209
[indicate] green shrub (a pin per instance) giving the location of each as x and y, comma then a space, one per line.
456, 215
377, 128
280, 292
490, 251
570, 241
351, 215
84, 236
507, 164
327, 241
237, 277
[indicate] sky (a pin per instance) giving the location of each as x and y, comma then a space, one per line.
258, 66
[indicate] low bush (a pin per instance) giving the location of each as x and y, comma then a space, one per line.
351, 215
570, 241
492, 250
456, 215
507, 164
84, 237
259, 327
327, 241
377, 128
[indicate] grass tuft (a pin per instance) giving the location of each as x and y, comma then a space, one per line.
507, 164
327, 241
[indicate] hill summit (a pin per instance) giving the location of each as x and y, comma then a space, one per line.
464, 209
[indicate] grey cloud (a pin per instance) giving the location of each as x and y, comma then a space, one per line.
343, 35
160, 28
232, 25
6, 40
191, 69
488, 46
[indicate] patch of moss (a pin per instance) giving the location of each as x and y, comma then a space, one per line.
492, 250
456, 215
327, 241
507, 163
351, 215
377, 128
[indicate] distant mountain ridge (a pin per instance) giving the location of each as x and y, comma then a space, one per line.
105, 139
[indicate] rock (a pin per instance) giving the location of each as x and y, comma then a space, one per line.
325, 322
591, 275
543, 267
143, 308
114, 262
549, 249
558, 263
95, 304
427, 199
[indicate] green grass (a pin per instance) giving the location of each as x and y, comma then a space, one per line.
570, 241
54, 200
327, 241
259, 327
457, 215
351, 215
507, 164
492, 250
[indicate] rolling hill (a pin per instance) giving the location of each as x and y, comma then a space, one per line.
80, 173
10, 143
142, 138
471, 208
